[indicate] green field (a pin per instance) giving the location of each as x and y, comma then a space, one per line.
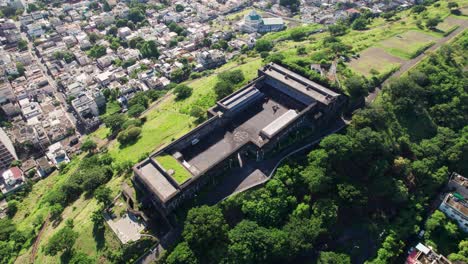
170, 163
399, 40
407, 45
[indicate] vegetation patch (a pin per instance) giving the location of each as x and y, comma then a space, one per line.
375, 61
408, 45
450, 24
170, 163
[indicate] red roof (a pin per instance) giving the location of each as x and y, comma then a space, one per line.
412, 257
352, 10
17, 173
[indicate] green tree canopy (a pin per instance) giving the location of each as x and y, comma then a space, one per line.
62, 240
205, 231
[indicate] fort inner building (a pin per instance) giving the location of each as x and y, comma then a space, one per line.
246, 125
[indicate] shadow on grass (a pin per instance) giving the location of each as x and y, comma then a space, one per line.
66, 256
98, 234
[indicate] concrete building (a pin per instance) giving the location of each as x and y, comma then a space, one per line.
253, 22
7, 151
425, 255
245, 125
12, 179
211, 59
455, 204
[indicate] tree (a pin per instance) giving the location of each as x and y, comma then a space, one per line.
292, 4
223, 89
93, 37
129, 135
103, 195
182, 91
149, 49
452, 5
97, 51
179, 8
112, 31
7, 227
179, 75
298, 34
56, 211
182, 254
462, 255
136, 110
6, 252
233, 77
251, 243
12, 207
316, 179
302, 233
198, 113
136, 15
263, 45
337, 30
97, 219
333, 258
205, 231
89, 146
418, 9
81, 258
62, 240
20, 68
432, 23
114, 122
269, 206
22, 45
360, 23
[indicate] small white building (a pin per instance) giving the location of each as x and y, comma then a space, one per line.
455, 204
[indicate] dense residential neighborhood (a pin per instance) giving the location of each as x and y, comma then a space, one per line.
226, 131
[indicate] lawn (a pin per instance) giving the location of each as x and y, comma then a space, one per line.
407, 45
170, 163
375, 59
112, 107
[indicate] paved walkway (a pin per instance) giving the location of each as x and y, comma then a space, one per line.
255, 173
413, 62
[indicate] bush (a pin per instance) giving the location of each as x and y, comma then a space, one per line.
88, 145
263, 45
136, 110
223, 89
298, 34
198, 113
182, 92
234, 77
129, 135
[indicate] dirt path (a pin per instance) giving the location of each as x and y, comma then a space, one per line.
38, 240
413, 62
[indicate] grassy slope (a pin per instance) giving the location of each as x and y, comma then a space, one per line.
171, 120
34, 206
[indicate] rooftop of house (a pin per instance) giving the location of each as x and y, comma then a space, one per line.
457, 202
425, 255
